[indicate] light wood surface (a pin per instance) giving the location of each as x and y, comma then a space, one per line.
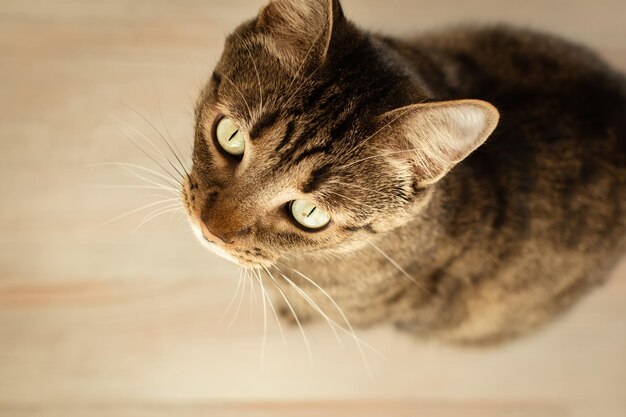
102, 321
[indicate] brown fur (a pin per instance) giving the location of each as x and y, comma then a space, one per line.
433, 230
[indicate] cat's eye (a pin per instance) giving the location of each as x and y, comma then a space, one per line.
230, 137
308, 214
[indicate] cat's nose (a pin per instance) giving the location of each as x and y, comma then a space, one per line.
223, 221
213, 237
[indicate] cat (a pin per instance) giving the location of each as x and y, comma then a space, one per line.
465, 186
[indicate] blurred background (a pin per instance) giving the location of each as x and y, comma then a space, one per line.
134, 318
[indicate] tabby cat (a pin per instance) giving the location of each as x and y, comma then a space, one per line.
465, 186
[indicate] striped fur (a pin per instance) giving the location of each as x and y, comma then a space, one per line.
432, 230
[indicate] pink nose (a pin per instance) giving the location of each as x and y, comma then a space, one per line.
213, 238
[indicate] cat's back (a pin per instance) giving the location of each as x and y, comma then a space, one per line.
542, 203
555, 167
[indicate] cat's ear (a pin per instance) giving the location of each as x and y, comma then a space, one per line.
440, 135
300, 29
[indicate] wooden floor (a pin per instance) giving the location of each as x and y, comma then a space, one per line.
98, 320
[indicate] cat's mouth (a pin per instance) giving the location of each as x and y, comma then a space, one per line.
243, 258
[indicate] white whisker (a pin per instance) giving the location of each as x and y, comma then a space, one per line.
232, 301
148, 170
128, 213
137, 187
263, 344
251, 300
295, 316
176, 149
157, 213
157, 151
394, 263
378, 156
151, 155
313, 304
362, 143
160, 196
243, 290
143, 178
351, 333
269, 299
240, 94
160, 135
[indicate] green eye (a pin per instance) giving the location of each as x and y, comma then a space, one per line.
308, 214
230, 137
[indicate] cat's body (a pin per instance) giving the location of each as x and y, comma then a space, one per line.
507, 238
526, 224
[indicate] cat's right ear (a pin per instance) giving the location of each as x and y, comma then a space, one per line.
300, 31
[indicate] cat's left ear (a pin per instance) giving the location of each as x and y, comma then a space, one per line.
300, 29
440, 135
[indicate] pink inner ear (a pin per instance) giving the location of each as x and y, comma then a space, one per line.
466, 124
455, 129
443, 134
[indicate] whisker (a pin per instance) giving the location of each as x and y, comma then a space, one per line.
135, 166
269, 299
149, 181
157, 212
254, 294
263, 344
378, 156
232, 301
160, 196
362, 143
182, 215
182, 165
243, 290
141, 176
295, 316
252, 291
240, 94
128, 213
163, 198
157, 151
351, 333
394, 263
160, 135
150, 155
175, 207
313, 304
136, 187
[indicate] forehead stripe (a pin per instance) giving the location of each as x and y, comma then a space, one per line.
317, 177
313, 151
287, 137
265, 122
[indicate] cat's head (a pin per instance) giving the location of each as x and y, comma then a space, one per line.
312, 136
